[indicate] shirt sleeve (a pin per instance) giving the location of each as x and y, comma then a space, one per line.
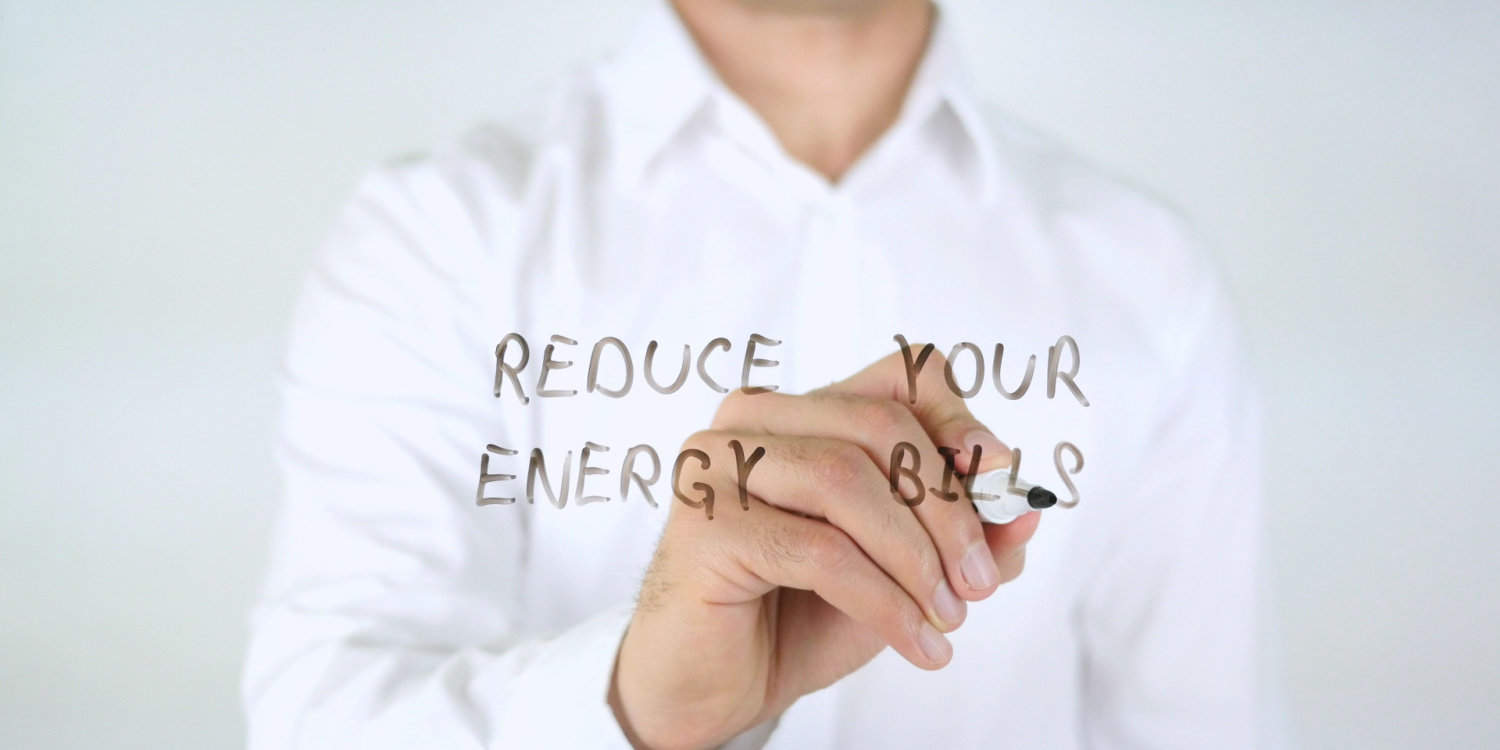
1168, 619
391, 614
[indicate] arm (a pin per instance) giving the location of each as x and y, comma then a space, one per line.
1169, 617
390, 614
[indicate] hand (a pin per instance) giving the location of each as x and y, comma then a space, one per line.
741, 614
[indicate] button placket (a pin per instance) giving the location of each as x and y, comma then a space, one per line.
829, 293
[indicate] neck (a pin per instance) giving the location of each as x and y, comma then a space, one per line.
827, 76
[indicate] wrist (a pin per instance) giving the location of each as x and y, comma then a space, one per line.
648, 723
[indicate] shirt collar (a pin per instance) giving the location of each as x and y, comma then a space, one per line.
660, 80
652, 88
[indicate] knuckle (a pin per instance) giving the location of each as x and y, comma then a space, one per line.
881, 416
930, 566
919, 555
777, 547
731, 408
838, 464
797, 452
894, 526
907, 618
830, 550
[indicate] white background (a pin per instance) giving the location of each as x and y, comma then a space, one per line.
166, 168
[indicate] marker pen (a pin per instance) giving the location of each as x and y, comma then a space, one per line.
999, 498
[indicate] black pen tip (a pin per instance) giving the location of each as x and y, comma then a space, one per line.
1040, 497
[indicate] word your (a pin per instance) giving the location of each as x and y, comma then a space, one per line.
905, 462
1065, 345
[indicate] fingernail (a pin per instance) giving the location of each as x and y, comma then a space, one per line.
947, 606
994, 454
934, 646
978, 567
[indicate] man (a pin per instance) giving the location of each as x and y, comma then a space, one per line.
813, 179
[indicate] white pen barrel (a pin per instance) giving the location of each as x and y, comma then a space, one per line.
998, 503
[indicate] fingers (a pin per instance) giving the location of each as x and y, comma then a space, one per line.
919, 376
837, 481
784, 549
878, 424
1007, 543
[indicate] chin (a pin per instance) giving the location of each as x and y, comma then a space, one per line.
818, 7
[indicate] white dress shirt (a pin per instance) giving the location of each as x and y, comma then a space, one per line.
649, 203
